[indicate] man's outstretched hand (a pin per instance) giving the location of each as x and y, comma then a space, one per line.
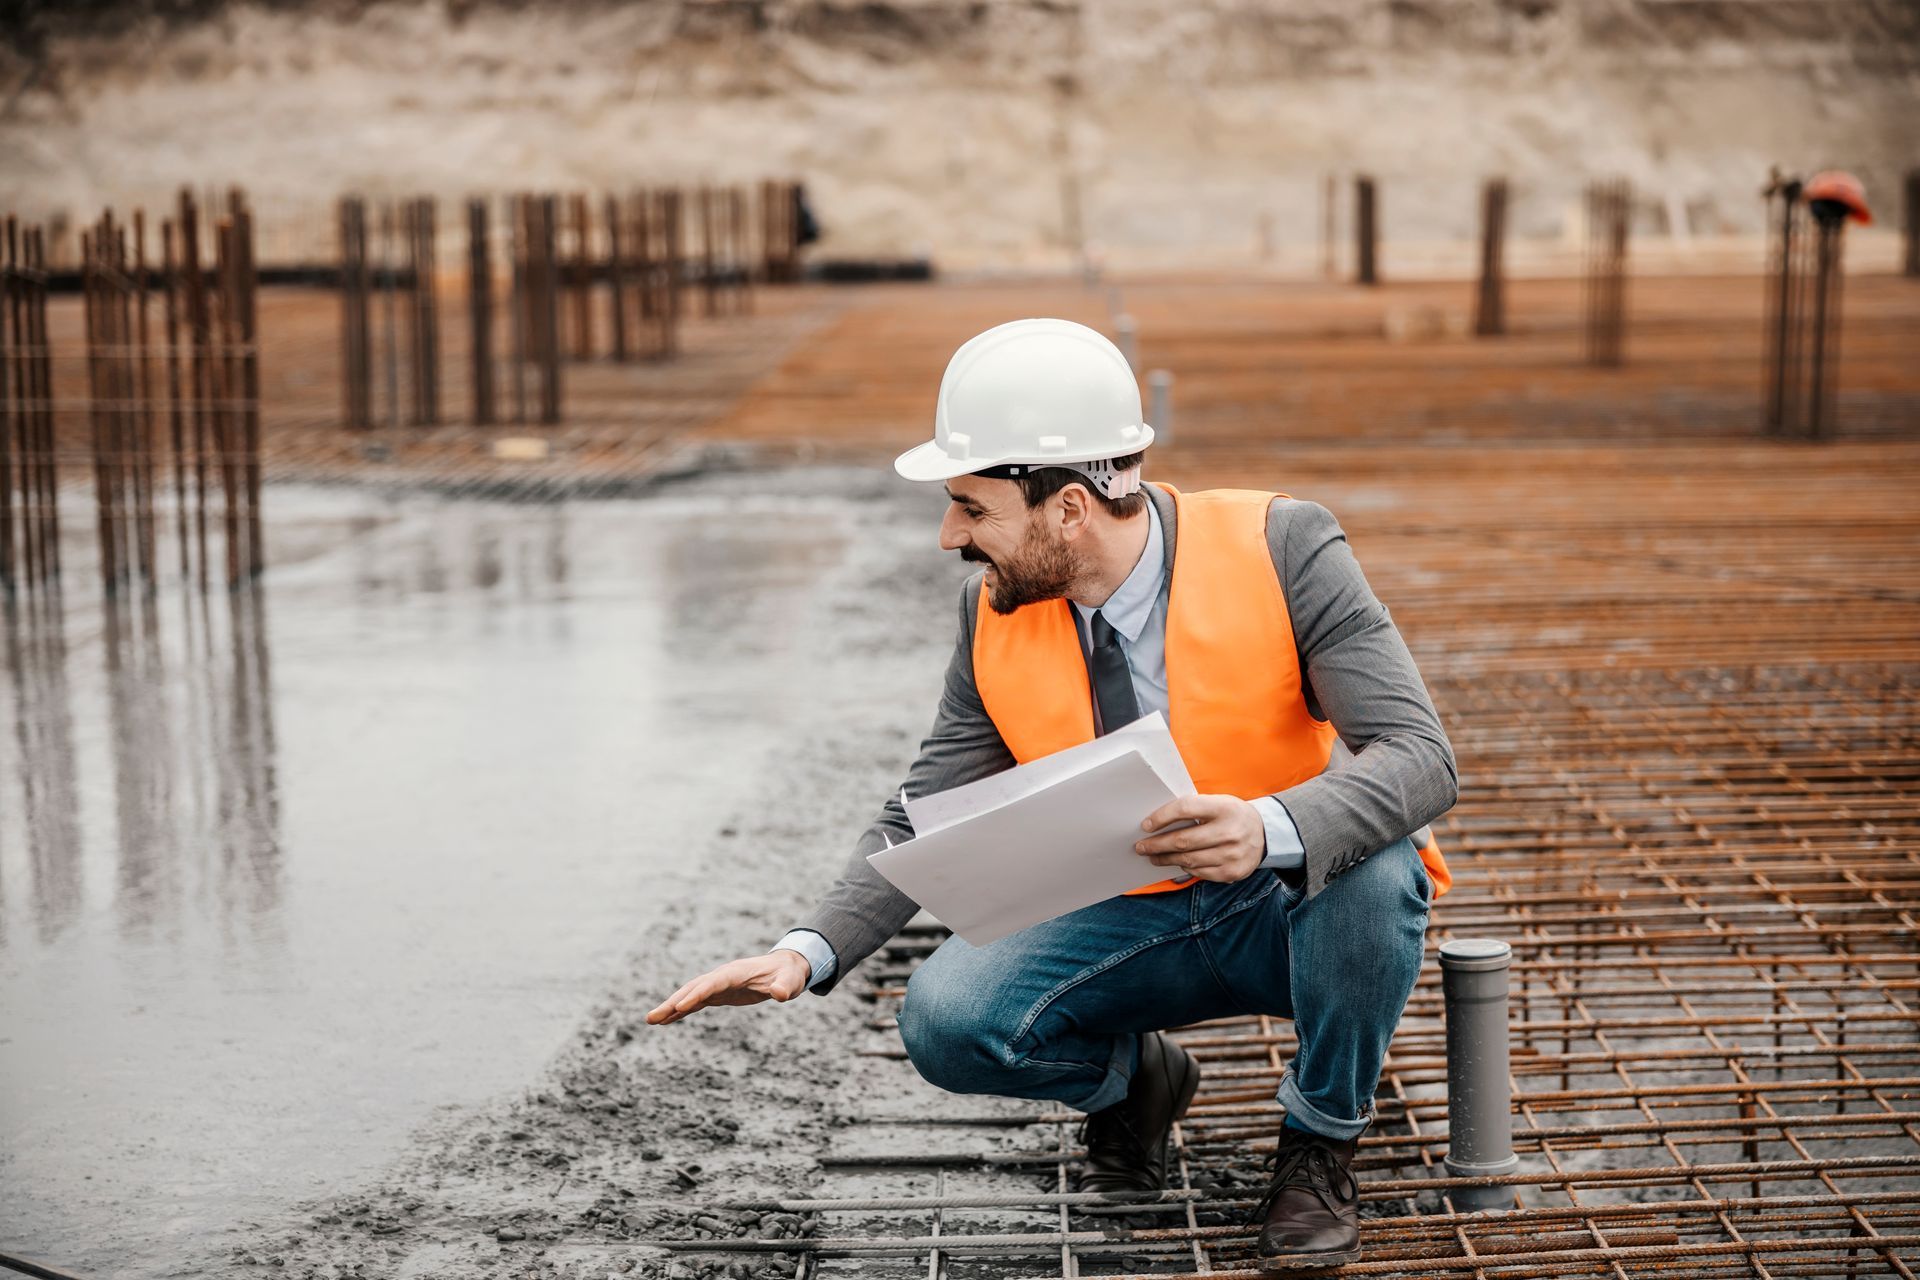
777, 975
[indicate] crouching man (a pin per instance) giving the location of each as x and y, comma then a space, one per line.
1295, 889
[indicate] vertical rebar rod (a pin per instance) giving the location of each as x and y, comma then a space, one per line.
390, 311
248, 276
549, 318
643, 229
480, 311
174, 420
673, 242
616, 278
41, 385
413, 237
1617, 320
126, 474
424, 312
229, 427
517, 214
92, 295
1826, 327
1782, 320
355, 323
709, 260
1473, 974
1490, 311
32, 557
1329, 213
742, 276
1609, 206
9, 338
16, 422
581, 277
1366, 232
144, 338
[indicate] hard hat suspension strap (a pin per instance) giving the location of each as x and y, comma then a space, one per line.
1100, 473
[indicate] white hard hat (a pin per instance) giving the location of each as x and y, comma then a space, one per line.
1034, 393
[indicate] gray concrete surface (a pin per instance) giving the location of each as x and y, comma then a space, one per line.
337, 962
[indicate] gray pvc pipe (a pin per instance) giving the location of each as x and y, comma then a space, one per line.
1160, 416
1473, 974
1126, 335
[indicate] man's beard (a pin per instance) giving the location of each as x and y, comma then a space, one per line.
1040, 570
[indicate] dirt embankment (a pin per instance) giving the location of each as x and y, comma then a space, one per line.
997, 131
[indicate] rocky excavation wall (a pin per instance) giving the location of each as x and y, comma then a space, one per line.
980, 130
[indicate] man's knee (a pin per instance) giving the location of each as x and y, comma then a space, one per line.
950, 1025
1389, 882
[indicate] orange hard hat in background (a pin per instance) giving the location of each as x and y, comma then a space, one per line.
1842, 189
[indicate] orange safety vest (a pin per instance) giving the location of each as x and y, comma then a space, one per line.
1235, 704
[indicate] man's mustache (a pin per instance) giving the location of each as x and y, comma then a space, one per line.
974, 555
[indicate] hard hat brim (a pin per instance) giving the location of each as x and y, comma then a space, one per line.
928, 461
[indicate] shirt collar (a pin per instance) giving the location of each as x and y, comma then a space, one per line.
1127, 608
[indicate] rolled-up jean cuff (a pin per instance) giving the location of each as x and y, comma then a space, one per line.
1119, 1078
1307, 1116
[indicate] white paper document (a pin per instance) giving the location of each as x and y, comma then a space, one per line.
1040, 840
1148, 735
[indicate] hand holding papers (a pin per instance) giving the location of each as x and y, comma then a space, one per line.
1042, 839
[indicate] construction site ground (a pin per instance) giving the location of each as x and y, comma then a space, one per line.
1679, 664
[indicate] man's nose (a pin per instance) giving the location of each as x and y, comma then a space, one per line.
952, 536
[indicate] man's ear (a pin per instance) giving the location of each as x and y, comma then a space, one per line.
1076, 511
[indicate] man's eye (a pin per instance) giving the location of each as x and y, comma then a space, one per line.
973, 513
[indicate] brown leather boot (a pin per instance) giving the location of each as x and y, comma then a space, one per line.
1310, 1215
1127, 1142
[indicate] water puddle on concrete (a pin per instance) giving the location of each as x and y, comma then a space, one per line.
281, 876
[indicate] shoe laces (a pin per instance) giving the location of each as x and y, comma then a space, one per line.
1309, 1164
1109, 1133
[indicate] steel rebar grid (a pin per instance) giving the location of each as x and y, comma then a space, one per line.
1705, 854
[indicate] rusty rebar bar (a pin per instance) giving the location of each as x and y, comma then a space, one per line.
1490, 305
1366, 232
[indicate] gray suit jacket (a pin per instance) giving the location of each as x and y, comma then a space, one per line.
1358, 674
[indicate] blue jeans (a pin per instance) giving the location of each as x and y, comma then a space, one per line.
1053, 1011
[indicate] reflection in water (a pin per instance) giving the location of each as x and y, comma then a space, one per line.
43, 735
188, 721
141, 740
249, 799
189, 741
325, 859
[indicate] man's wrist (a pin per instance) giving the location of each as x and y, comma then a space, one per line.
813, 948
1284, 849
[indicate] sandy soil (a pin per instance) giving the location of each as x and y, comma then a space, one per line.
1001, 132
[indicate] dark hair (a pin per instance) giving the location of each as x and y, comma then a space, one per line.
1039, 485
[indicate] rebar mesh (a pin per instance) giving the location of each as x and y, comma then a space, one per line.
1696, 826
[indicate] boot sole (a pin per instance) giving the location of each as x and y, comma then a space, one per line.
1308, 1261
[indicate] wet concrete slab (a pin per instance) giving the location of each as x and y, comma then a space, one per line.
284, 879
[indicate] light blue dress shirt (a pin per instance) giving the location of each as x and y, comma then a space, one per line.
1137, 610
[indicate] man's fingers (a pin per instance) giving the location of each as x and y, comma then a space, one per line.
692, 997
1195, 865
1183, 809
1183, 840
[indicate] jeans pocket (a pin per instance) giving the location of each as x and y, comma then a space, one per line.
1291, 892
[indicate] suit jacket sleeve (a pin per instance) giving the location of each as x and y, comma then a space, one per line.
1358, 674
863, 909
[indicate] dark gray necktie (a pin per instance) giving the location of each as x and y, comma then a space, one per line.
1112, 682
